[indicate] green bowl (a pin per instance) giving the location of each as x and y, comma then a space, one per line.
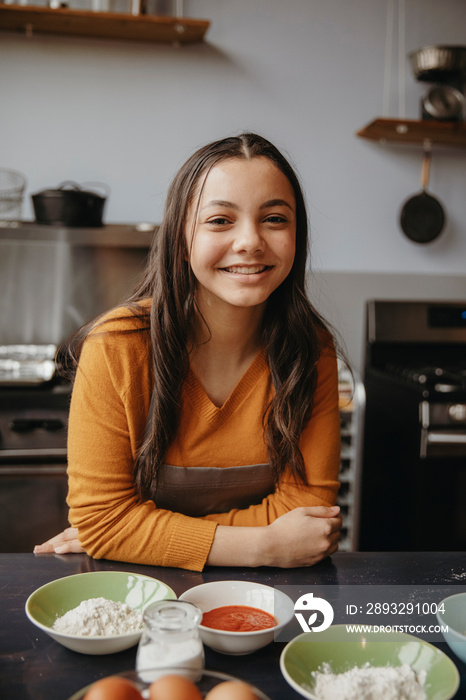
452, 613
342, 651
56, 598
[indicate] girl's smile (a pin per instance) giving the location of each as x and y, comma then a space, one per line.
244, 270
242, 243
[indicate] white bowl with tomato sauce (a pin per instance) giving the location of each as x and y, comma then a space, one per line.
239, 611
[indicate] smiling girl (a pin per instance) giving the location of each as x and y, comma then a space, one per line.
204, 421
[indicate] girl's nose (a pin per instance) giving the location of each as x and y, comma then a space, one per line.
248, 239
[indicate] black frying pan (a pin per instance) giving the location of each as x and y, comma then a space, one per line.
422, 217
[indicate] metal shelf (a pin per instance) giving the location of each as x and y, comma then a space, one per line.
108, 236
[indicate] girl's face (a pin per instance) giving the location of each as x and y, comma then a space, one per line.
242, 246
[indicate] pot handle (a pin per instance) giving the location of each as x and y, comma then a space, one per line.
425, 169
102, 185
70, 184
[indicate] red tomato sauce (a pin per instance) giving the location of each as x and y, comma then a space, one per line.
238, 618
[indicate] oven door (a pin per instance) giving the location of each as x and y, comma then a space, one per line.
413, 489
32, 504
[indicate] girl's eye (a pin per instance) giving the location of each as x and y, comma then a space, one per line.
276, 219
219, 221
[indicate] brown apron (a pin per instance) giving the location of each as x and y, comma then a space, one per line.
198, 491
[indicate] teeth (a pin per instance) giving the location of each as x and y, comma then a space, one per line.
252, 270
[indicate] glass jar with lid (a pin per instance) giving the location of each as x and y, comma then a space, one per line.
170, 640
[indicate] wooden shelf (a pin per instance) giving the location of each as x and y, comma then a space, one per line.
103, 25
415, 132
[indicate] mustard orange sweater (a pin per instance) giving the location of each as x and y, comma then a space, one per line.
109, 407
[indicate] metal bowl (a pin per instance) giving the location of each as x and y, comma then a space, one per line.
439, 63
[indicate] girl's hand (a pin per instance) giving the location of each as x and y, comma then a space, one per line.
303, 536
65, 542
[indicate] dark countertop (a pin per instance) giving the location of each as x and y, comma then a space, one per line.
34, 667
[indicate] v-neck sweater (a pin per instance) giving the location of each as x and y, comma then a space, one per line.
108, 413
195, 393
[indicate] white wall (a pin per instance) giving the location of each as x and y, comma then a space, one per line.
305, 73
342, 296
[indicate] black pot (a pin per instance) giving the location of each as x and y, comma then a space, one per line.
69, 205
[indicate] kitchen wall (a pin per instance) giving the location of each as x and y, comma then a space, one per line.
341, 296
305, 73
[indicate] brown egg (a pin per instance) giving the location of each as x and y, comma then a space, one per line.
174, 687
231, 690
113, 688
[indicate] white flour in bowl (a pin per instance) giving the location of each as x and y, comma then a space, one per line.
370, 683
99, 617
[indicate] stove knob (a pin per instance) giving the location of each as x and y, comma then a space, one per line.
457, 412
22, 425
53, 424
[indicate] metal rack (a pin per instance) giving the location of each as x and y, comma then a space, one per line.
352, 403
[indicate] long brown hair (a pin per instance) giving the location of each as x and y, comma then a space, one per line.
291, 327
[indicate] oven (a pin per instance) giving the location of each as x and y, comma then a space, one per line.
413, 484
52, 280
33, 481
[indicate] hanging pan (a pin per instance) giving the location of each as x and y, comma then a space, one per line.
422, 217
